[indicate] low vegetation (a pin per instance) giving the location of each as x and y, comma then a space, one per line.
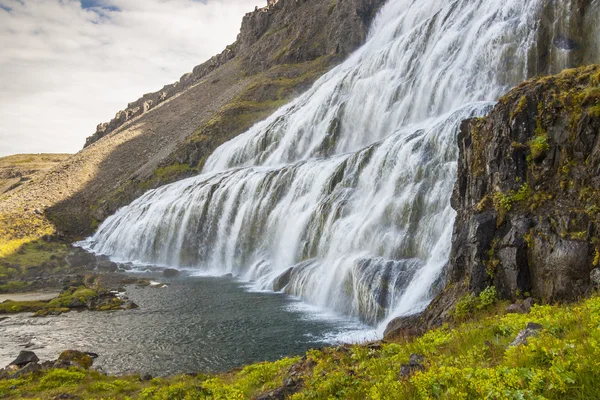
468, 360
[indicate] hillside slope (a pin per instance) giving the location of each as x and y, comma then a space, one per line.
280, 51
20, 168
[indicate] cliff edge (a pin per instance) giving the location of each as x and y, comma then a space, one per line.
527, 198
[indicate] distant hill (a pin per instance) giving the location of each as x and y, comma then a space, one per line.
20, 168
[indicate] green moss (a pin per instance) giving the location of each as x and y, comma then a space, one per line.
12, 307
467, 305
520, 107
539, 145
171, 170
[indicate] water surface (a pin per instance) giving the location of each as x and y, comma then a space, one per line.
195, 324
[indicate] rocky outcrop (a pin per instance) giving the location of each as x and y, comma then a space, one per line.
283, 32
527, 198
528, 191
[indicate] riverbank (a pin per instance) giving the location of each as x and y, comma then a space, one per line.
550, 352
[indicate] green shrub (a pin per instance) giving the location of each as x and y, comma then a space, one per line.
61, 377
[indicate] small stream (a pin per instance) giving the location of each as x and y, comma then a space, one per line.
196, 324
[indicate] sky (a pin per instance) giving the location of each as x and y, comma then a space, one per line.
68, 65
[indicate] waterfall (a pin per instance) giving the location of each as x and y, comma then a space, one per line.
342, 197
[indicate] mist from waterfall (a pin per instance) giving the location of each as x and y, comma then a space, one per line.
342, 197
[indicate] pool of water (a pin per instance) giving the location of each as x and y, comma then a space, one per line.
196, 324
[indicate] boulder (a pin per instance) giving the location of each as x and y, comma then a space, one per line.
81, 258
282, 280
130, 305
107, 266
74, 358
171, 273
415, 363
25, 357
405, 327
532, 329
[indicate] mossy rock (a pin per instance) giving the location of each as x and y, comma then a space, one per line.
77, 358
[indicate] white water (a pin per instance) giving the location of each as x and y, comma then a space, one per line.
350, 184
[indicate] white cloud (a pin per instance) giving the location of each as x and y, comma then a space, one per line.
65, 67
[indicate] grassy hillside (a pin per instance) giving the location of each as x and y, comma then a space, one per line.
19, 168
463, 360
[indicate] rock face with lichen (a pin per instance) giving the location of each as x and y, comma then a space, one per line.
527, 198
528, 191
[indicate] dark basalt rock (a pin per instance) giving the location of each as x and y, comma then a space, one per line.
544, 240
171, 273
25, 357
415, 364
564, 43
81, 258
527, 197
282, 280
107, 266
403, 327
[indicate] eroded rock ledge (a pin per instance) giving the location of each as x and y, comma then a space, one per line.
527, 197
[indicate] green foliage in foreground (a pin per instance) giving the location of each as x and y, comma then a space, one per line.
469, 361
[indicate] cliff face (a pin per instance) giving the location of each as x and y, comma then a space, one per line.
284, 32
527, 198
164, 136
528, 191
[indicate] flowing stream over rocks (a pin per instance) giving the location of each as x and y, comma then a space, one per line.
342, 197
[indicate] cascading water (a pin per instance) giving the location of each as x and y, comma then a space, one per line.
343, 196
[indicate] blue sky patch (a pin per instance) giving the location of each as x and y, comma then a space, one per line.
98, 4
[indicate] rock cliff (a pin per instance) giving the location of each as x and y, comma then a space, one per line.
527, 197
164, 136
283, 32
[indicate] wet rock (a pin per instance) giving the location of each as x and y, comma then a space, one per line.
229, 275
564, 43
532, 329
107, 266
75, 358
130, 305
76, 303
403, 327
594, 278
542, 242
171, 273
104, 302
282, 280
81, 258
99, 369
25, 357
415, 364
